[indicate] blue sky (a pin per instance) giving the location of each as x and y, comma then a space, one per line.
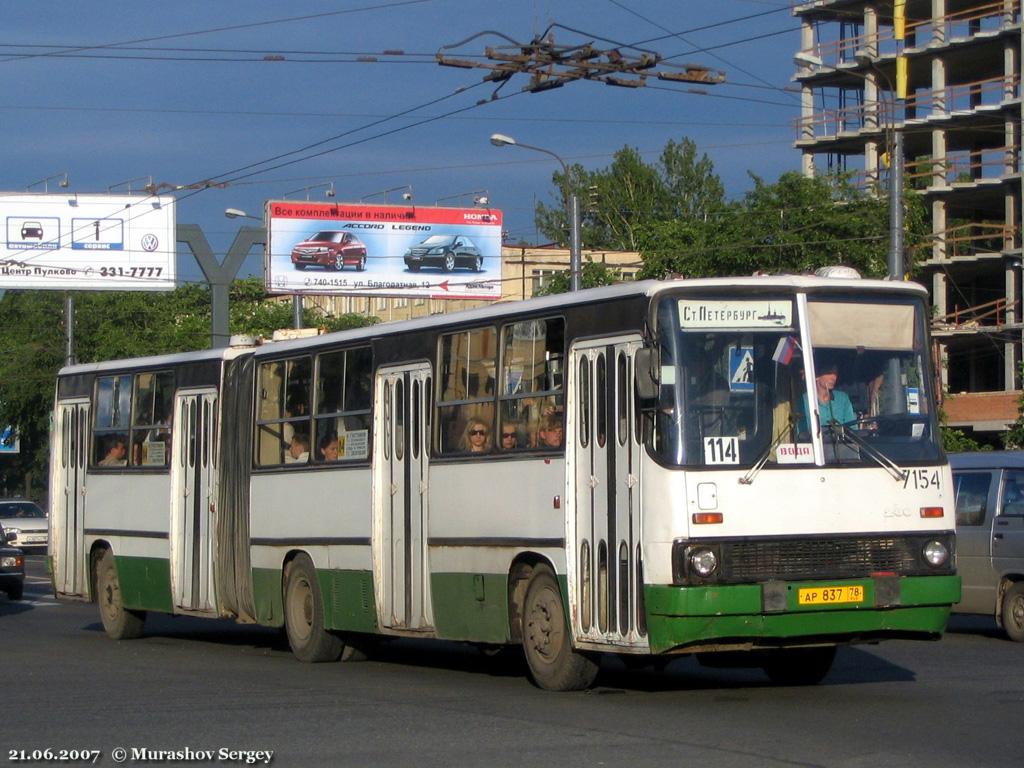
181, 92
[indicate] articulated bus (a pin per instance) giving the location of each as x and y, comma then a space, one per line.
631, 470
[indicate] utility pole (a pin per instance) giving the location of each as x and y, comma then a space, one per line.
895, 265
220, 274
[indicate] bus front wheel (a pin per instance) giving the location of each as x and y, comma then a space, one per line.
554, 665
304, 615
119, 622
799, 666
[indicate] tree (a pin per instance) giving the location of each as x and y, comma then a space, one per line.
109, 326
594, 274
617, 201
1013, 439
796, 225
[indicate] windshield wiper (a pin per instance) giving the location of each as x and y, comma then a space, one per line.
788, 431
847, 435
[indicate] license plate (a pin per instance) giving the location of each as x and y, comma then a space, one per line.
831, 595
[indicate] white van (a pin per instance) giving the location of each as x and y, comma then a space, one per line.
990, 535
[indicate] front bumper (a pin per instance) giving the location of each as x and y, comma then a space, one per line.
768, 615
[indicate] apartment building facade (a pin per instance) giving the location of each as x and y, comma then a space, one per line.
960, 121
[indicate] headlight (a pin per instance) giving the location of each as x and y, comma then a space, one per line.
11, 561
703, 561
935, 553
15, 531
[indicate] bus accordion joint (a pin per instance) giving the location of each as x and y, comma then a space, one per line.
933, 511
707, 518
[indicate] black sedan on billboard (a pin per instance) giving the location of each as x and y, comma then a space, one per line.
446, 252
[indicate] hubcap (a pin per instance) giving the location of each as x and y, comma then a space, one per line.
544, 628
301, 609
1017, 612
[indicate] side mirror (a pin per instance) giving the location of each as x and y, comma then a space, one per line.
9, 537
647, 373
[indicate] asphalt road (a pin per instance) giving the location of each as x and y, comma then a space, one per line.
192, 684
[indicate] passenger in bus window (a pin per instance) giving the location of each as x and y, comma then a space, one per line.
476, 437
510, 436
298, 451
551, 430
116, 453
328, 447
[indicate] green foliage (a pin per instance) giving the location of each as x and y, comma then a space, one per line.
109, 326
957, 441
1013, 439
795, 225
675, 213
617, 201
594, 274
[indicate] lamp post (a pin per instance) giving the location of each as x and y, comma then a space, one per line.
572, 203
237, 213
894, 148
480, 197
64, 182
328, 187
407, 195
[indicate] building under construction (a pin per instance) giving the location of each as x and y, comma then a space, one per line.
945, 74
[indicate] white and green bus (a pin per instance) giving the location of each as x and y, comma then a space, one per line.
631, 470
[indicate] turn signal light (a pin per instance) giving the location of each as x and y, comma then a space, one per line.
707, 518
932, 511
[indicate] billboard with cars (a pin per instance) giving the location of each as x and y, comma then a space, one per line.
68, 241
383, 250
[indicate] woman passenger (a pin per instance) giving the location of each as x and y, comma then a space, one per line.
476, 437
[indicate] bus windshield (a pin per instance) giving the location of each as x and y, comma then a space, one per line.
735, 373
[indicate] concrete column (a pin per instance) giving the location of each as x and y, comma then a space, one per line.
939, 167
939, 250
1011, 349
870, 46
939, 105
1010, 66
938, 23
872, 106
873, 177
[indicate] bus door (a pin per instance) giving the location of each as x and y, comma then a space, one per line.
605, 573
67, 527
193, 499
401, 448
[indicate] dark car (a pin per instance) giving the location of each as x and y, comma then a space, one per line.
332, 249
26, 521
32, 230
446, 252
12, 568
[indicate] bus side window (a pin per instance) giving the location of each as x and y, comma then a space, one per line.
466, 393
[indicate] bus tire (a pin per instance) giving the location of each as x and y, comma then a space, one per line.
1013, 611
304, 615
554, 664
799, 666
119, 622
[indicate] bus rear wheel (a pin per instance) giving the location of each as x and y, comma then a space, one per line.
554, 665
119, 622
304, 615
799, 666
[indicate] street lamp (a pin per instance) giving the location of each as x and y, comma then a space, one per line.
64, 182
328, 193
407, 195
479, 197
893, 146
238, 213
572, 203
